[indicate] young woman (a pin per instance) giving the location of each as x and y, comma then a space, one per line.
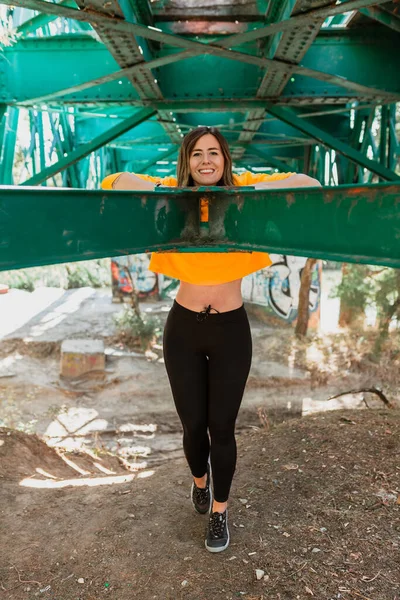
207, 339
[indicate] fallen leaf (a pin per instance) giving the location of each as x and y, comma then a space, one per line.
291, 466
309, 591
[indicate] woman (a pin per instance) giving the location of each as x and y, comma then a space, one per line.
207, 339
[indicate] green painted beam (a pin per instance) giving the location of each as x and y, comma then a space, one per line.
289, 116
35, 23
8, 146
77, 63
162, 156
86, 149
117, 75
269, 160
3, 108
353, 224
3, 124
74, 60
200, 47
159, 36
301, 20
383, 16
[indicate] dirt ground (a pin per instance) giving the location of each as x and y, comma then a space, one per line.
314, 507
130, 410
97, 504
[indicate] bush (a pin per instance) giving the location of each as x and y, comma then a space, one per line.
89, 273
137, 329
20, 280
355, 289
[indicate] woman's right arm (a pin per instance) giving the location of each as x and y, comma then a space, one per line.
129, 181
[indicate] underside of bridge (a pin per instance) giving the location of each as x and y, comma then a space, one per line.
95, 86
91, 87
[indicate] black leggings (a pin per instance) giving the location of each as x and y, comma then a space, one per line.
208, 358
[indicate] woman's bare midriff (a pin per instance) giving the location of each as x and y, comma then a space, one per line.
222, 297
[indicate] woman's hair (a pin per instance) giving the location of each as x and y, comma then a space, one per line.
189, 141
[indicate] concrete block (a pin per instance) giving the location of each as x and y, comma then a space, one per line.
79, 357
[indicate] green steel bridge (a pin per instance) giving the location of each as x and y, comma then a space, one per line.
92, 87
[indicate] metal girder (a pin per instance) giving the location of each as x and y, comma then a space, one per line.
140, 8
126, 49
116, 76
289, 46
296, 21
24, 62
35, 23
346, 223
162, 156
7, 141
362, 122
394, 143
63, 143
101, 19
288, 116
112, 25
241, 105
382, 16
184, 10
269, 160
86, 149
18, 78
205, 28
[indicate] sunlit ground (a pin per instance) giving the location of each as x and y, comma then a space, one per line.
72, 430
79, 429
16, 311
51, 319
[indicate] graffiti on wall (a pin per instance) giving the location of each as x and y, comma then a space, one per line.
135, 268
276, 287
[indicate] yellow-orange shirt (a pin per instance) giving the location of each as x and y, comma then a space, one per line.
207, 268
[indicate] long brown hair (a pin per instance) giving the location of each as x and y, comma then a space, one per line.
188, 143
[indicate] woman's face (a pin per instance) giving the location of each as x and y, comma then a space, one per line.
206, 161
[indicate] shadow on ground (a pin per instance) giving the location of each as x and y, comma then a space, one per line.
314, 512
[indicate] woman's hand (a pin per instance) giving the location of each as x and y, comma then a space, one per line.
294, 181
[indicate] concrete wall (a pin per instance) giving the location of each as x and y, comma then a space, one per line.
273, 292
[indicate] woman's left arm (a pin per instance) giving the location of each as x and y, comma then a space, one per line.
294, 181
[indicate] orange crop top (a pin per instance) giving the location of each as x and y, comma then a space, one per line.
207, 268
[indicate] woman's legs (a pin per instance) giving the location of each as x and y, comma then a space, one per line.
208, 393
228, 369
187, 369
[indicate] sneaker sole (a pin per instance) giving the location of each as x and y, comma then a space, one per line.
221, 548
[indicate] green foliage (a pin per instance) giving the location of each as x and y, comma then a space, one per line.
136, 329
355, 289
20, 280
364, 285
84, 274
387, 290
89, 273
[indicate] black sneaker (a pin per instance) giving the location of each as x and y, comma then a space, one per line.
218, 533
202, 497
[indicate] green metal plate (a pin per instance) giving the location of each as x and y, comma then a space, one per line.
354, 224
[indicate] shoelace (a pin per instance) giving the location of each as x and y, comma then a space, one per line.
202, 494
217, 524
202, 315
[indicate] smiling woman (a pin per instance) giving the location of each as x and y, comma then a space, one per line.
208, 354
204, 159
